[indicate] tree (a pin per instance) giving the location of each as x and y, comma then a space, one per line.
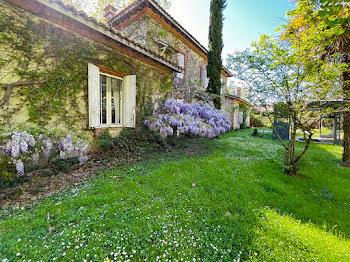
95, 7
278, 74
327, 22
214, 67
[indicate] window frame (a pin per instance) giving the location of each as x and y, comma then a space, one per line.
108, 96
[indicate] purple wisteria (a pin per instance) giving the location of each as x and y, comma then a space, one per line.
199, 119
22, 147
68, 148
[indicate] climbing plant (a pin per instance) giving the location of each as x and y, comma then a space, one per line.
43, 73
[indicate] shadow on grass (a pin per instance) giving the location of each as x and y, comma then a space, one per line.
305, 217
228, 197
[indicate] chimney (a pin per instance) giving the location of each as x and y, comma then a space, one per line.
109, 12
239, 92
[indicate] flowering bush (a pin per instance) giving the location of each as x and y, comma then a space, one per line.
22, 147
199, 119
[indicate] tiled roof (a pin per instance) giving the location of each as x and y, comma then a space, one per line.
137, 3
238, 98
132, 43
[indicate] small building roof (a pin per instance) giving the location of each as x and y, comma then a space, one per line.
239, 99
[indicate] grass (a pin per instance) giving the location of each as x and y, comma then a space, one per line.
231, 202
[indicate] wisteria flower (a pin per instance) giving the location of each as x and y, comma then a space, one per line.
199, 119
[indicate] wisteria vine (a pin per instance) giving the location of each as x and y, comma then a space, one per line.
22, 147
200, 119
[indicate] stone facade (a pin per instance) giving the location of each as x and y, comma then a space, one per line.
231, 107
148, 32
148, 24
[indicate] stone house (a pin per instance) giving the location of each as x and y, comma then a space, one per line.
60, 69
148, 24
237, 110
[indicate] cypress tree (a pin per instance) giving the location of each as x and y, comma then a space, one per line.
216, 44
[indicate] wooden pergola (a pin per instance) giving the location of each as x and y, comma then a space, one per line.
336, 114
335, 108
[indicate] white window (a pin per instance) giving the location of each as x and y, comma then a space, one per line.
112, 100
181, 63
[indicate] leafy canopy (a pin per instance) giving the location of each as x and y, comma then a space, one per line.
276, 72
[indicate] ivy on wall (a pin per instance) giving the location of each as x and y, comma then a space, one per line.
43, 69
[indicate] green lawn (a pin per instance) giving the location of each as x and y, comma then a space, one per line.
231, 201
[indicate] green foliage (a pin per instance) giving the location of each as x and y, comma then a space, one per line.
326, 23
7, 172
335, 13
230, 196
214, 67
65, 165
258, 119
323, 27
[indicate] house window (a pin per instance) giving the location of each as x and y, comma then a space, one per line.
112, 100
111, 93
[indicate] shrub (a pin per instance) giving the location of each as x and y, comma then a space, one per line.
255, 132
260, 119
20, 148
130, 141
200, 119
255, 121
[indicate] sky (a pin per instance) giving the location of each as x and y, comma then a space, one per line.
245, 20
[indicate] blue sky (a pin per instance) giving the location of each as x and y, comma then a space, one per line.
245, 20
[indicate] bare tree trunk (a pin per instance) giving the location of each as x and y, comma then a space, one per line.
293, 164
286, 156
346, 91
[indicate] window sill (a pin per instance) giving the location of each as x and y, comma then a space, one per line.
108, 126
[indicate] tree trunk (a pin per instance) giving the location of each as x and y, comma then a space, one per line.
286, 156
293, 164
346, 91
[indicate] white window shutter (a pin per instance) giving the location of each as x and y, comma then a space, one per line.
181, 63
240, 117
204, 78
94, 95
129, 101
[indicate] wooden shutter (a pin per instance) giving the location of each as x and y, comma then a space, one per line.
240, 117
129, 101
181, 63
94, 95
204, 77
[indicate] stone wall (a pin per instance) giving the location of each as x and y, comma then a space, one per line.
148, 32
230, 108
